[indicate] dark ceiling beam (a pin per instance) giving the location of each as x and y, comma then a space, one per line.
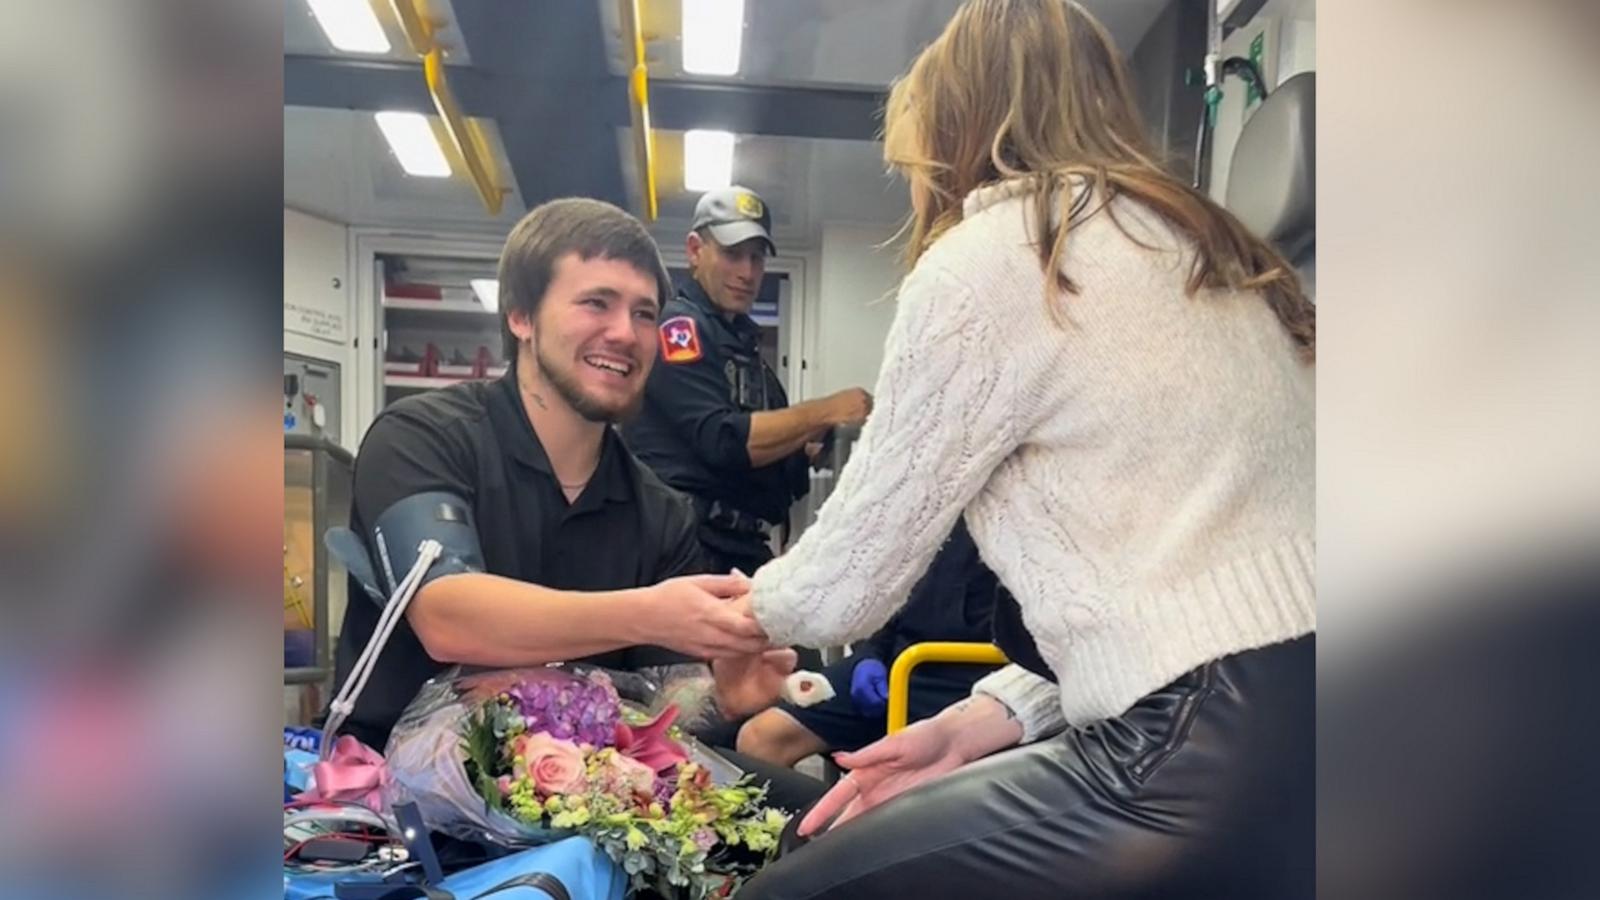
775, 111
550, 93
674, 105
353, 84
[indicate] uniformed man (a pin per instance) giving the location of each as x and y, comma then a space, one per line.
558, 544
716, 422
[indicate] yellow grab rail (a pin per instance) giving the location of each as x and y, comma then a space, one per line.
931, 652
644, 149
465, 134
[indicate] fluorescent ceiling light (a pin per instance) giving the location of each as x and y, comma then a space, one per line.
712, 32
707, 160
350, 25
488, 291
410, 136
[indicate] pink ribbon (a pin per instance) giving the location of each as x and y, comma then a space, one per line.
649, 744
353, 773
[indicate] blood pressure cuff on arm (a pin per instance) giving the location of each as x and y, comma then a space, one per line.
398, 533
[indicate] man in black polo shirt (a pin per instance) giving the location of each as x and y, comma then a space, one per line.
716, 423
560, 546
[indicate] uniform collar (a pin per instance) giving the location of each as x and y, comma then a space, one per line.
696, 296
516, 434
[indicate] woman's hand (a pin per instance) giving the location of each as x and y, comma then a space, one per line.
969, 730
886, 769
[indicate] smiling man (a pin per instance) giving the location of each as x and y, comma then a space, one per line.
558, 544
716, 423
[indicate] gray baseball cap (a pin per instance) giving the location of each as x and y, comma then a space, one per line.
734, 214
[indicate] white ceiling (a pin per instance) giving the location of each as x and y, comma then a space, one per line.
336, 164
805, 183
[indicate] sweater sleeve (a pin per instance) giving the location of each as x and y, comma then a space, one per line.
942, 422
1036, 701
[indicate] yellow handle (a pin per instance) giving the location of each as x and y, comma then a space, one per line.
644, 142
931, 651
465, 135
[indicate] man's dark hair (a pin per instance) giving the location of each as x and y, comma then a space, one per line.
589, 228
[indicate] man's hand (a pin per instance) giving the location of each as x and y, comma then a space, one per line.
697, 615
813, 450
850, 406
748, 684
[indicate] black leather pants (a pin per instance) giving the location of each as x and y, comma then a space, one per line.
1205, 788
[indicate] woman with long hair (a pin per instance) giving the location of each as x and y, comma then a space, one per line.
1112, 380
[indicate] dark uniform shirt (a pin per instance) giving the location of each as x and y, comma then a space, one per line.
694, 428
627, 529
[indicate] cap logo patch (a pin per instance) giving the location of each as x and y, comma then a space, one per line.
749, 206
680, 340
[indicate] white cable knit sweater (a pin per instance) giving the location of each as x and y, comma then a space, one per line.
1140, 475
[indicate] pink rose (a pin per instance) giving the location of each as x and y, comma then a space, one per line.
555, 767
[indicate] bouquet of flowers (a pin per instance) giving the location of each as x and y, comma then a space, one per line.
533, 755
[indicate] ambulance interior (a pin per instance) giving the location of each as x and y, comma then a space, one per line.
403, 175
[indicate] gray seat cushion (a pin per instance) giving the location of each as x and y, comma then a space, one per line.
1272, 182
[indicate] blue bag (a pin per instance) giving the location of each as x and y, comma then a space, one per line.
572, 869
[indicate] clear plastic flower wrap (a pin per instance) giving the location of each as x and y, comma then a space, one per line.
522, 757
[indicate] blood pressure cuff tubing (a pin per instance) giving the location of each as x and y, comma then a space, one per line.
399, 531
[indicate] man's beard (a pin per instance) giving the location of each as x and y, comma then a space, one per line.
572, 393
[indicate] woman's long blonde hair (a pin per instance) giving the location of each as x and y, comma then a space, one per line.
1035, 89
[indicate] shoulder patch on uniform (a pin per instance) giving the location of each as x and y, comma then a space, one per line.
680, 340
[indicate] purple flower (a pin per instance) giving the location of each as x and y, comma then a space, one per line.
568, 707
665, 788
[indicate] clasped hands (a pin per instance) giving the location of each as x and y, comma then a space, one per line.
710, 617
749, 683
